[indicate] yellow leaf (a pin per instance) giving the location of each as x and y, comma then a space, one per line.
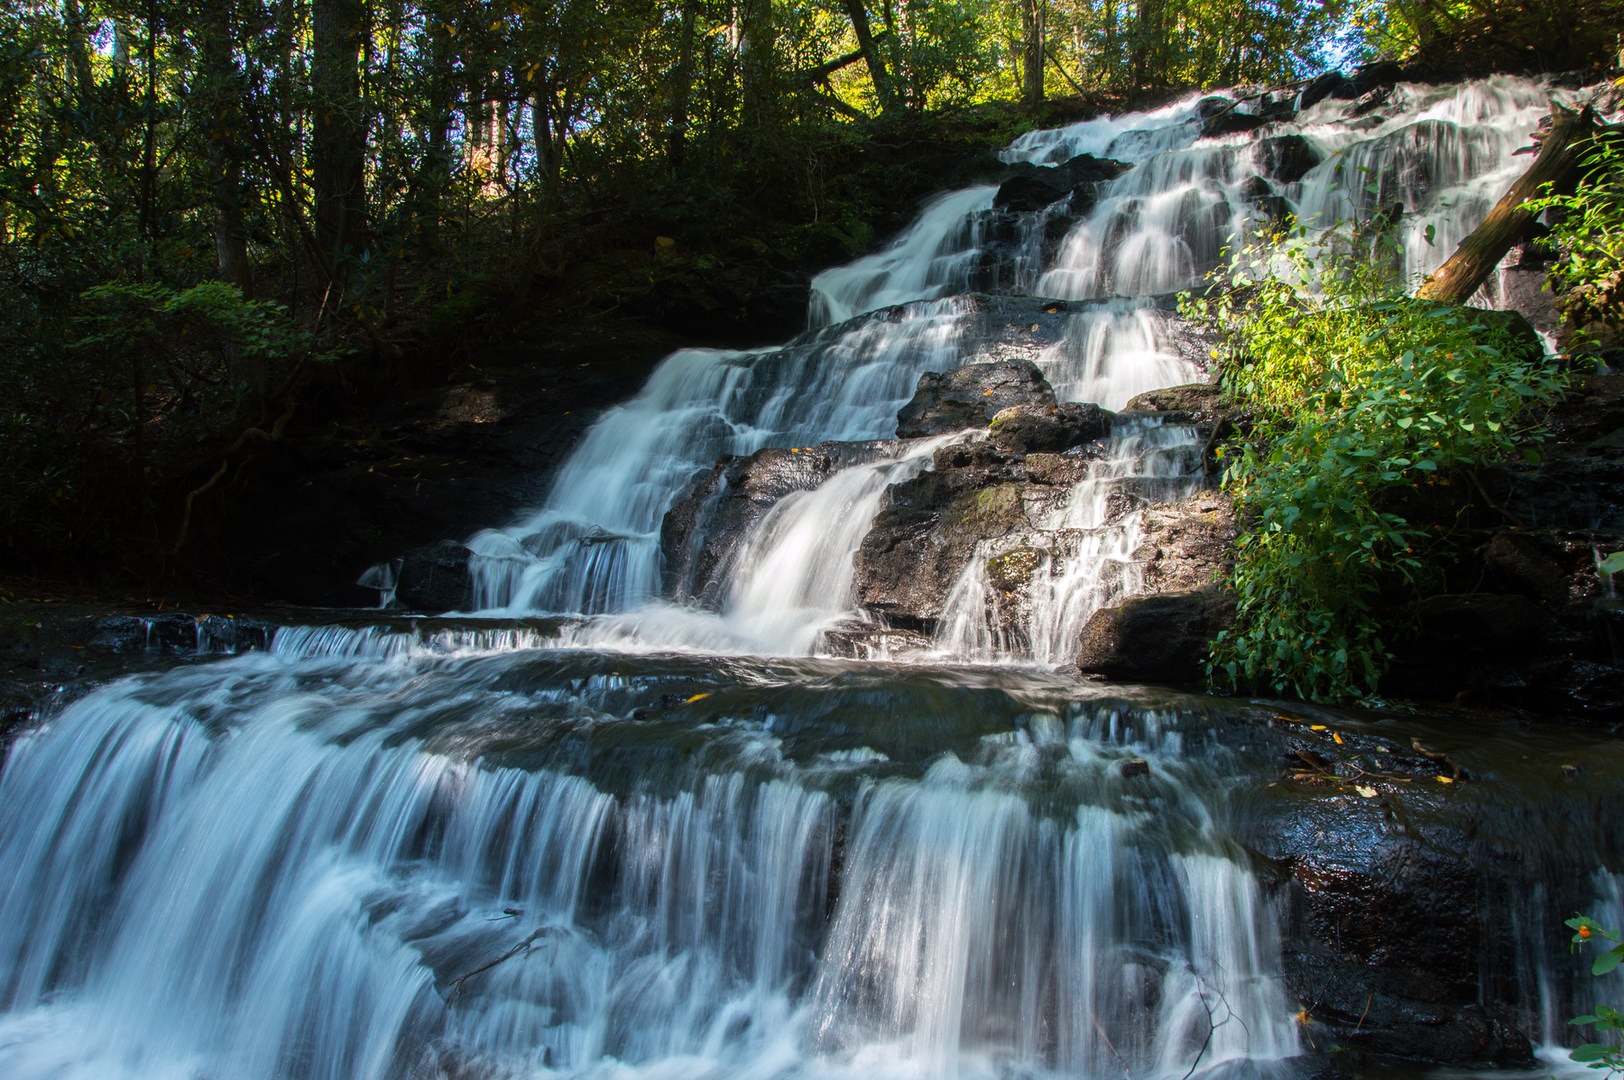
1337, 737
698, 697
1446, 779
1316, 727
1365, 790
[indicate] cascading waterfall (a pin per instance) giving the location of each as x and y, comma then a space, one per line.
416, 867
1182, 204
569, 846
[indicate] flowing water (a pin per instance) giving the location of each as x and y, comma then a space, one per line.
638, 840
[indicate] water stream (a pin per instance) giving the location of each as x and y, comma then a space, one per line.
594, 833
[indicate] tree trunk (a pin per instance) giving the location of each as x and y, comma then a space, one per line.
338, 135
73, 18
1557, 165
224, 130
149, 135
872, 56
756, 61
682, 86
1034, 31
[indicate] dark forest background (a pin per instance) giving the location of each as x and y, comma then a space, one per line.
221, 220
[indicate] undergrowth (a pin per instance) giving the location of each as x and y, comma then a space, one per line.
1360, 394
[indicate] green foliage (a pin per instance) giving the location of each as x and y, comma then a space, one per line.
1607, 1021
212, 319
1479, 36
1363, 395
1588, 227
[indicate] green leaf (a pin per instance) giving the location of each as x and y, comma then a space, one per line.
1608, 960
1612, 564
1590, 1052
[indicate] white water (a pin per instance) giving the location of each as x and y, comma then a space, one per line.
593, 548
517, 850
1093, 563
279, 868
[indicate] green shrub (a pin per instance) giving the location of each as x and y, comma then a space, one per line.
1588, 228
1361, 394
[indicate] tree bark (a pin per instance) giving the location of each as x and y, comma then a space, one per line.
338, 135
1034, 31
682, 86
870, 48
1557, 165
224, 130
757, 66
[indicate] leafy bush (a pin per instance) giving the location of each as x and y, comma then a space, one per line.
1361, 395
1588, 227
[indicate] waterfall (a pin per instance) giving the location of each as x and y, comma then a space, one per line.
1180, 207
592, 833
342, 867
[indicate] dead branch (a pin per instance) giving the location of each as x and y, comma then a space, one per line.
1556, 166
522, 947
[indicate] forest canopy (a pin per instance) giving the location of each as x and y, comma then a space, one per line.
202, 201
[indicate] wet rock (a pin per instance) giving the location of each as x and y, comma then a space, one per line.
1134, 767
1033, 187
1471, 644
1057, 470
1367, 78
1192, 402
1371, 101
1527, 565
1188, 545
1024, 429
924, 538
1285, 158
873, 642
435, 578
173, 632
1155, 638
1258, 192
1385, 929
1231, 122
971, 396
1028, 192
703, 532
1320, 88
1481, 626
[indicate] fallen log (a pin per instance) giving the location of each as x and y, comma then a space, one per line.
1557, 165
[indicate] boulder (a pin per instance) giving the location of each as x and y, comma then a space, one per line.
1285, 158
1320, 88
970, 396
1033, 187
1026, 193
1527, 565
1190, 545
925, 536
1157, 638
1231, 122
1024, 429
1366, 78
435, 578
1199, 403
1385, 898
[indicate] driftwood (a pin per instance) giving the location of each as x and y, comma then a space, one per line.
456, 985
1557, 165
